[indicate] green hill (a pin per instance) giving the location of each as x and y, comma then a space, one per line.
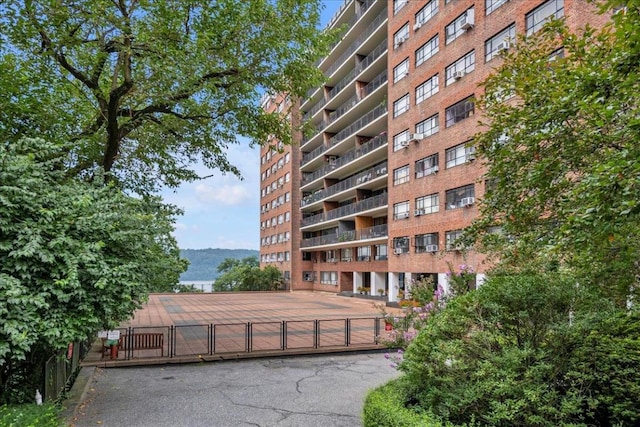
204, 262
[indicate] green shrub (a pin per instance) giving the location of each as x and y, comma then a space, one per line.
29, 415
386, 406
520, 352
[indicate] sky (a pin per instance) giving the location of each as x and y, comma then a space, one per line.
224, 211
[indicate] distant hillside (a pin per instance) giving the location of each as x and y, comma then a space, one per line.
204, 262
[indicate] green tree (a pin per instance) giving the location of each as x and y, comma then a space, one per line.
75, 257
563, 154
246, 275
143, 90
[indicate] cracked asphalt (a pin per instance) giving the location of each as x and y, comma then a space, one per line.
305, 391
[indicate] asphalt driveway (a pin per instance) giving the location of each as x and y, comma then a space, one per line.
292, 391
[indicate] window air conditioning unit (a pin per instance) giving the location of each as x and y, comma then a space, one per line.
470, 157
503, 45
418, 212
400, 41
404, 144
431, 170
467, 201
333, 160
417, 25
467, 22
431, 248
402, 215
398, 251
417, 137
458, 75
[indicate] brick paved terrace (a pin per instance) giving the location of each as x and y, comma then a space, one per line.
186, 321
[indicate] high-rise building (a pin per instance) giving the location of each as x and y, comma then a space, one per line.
389, 179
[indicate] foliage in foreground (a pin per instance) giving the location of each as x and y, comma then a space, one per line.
563, 155
147, 89
29, 415
75, 257
526, 350
245, 275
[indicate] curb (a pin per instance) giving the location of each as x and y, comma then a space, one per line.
77, 394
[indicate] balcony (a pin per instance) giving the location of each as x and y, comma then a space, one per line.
351, 209
375, 232
351, 182
348, 157
363, 121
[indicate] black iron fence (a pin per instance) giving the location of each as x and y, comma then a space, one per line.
60, 370
190, 340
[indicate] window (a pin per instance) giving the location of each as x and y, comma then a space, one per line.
401, 70
281, 219
459, 155
287, 177
287, 197
451, 238
399, 4
401, 245
458, 112
460, 197
400, 140
427, 50
401, 210
364, 253
329, 277
427, 12
427, 166
499, 42
287, 216
401, 175
426, 243
401, 36
427, 89
287, 157
263, 176
331, 256
427, 204
401, 105
458, 69
308, 276
459, 26
543, 13
428, 126
381, 252
306, 256
287, 256
346, 254
287, 236
491, 5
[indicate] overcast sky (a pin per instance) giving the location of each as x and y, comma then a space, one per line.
224, 211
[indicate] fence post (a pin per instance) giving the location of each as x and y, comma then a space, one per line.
347, 332
284, 334
316, 334
249, 337
210, 338
376, 329
214, 340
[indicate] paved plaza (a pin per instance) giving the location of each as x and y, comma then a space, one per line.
188, 326
238, 307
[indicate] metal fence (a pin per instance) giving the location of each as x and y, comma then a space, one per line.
278, 337
61, 368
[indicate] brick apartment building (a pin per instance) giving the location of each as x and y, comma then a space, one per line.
377, 196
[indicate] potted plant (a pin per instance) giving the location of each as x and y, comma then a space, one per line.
360, 289
366, 290
381, 292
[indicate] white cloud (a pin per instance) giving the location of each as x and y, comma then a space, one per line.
226, 195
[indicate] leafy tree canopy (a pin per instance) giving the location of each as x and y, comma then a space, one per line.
143, 90
75, 257
563, 154
246, 275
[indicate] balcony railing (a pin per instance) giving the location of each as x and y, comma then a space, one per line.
382, 16
375, 54
348, 157
347, 236
350, 209
367, 175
